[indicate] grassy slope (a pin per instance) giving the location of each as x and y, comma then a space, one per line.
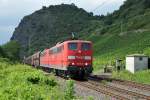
141, 76
22, 82
119, 47
113, 44
135, 38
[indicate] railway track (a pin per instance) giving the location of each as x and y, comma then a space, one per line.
122, 82
94, 87
133, 84
126, 92
112, 91
102, 90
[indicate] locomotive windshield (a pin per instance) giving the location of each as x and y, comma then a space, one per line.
85, 46
72, 46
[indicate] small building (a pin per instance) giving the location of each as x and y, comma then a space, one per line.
136, 62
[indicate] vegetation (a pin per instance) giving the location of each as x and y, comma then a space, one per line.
90, 98
69, 92
11, 50
2, 53
21, 82
106, 52
126, 33
141, 76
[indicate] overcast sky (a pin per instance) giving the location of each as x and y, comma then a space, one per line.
12, 11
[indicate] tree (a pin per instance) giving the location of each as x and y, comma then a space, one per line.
146, 3
43, 7
12, 49
72, 4
108, 19
2, 53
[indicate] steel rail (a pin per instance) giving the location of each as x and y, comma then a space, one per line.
123, 91
122, 82
102, 90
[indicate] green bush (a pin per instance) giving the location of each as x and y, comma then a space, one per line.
21, 82
50, 82
69, 92
11, 50
90, 98
2, 53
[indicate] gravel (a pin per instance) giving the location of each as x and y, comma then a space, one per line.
84, 93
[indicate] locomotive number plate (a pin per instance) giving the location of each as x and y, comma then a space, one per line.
79, 57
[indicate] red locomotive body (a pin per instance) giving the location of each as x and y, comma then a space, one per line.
72, 57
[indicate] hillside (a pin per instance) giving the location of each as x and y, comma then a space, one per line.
54, 24
127, 32
123, 32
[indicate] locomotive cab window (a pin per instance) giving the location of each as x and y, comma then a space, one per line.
72, 46
59, 49
85, 46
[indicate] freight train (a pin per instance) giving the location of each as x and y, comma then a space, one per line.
70, 58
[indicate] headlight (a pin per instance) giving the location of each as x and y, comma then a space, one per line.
86, 64
73, 63
87, 57
71, 57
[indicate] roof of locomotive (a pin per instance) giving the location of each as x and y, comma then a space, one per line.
68, 41
77, 41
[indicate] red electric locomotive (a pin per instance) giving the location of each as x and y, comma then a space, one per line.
72, 57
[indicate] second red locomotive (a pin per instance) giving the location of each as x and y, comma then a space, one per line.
72, 57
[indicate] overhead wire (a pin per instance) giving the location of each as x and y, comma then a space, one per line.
102, 4
97, 7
